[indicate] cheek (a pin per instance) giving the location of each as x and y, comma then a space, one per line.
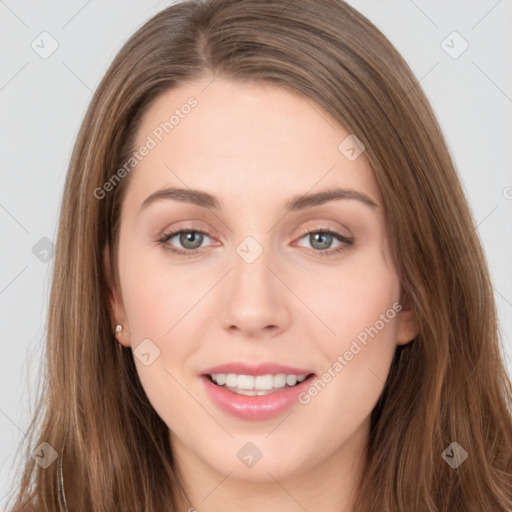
161, 304
360, 306
353, 297
156, 293
158, 300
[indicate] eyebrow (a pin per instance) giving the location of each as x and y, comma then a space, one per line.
296, 203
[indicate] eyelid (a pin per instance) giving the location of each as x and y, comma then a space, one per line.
188, 227
319, 225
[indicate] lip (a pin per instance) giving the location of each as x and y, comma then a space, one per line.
258, 407
255, 369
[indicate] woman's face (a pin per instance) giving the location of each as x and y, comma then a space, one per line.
259, 295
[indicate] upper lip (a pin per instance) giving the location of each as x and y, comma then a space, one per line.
265, 368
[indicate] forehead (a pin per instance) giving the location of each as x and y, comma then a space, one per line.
244, 137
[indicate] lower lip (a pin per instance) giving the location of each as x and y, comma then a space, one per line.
258, 407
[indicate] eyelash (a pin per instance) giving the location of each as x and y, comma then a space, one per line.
346, 242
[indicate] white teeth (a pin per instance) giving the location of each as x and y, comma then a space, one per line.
256, 385
221, 379
279, 380
231, 380
264, 382
291, 380
245, 382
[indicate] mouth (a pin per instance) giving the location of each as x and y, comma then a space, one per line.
255, 392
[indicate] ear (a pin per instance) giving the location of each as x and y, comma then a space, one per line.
407, 323
117, 312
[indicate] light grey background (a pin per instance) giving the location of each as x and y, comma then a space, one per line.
42, 103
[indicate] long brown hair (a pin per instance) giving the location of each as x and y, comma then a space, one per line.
448, 385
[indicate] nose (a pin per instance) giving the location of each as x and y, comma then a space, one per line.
254, 300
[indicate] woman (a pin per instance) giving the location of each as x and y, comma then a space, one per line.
268, 290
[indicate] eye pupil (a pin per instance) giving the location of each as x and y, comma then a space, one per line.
326, 237
191, 236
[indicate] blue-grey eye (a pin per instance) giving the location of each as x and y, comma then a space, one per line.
194, 238
320, 240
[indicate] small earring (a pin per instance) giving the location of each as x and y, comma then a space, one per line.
119, 330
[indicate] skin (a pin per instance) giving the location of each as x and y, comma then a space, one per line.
255, 146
